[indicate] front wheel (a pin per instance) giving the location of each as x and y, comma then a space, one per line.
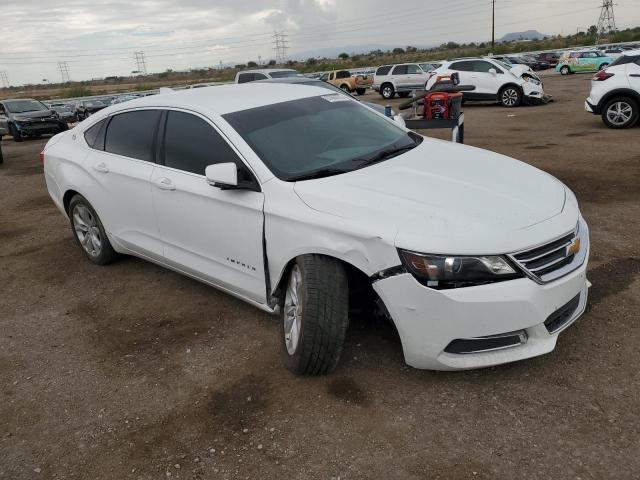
510, 97
404, 94
620, 112
565, 70
387, 91
345, 88
314, 315
15, 133
89, 232
603, 66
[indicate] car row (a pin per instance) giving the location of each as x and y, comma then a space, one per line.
27, 117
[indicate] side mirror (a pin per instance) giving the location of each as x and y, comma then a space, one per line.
493, 71
222, 175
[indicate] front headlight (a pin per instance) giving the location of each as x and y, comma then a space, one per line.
19, 118
456, 271
531, 80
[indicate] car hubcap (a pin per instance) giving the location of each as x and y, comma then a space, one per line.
619, 113
293, 311
510, 97
386, 91
87, 231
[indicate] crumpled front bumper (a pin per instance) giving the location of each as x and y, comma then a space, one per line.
428, 320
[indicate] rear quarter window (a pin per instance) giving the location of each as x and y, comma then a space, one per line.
383, 70
131, 134
94, 135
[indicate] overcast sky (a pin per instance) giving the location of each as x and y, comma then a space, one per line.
98, 38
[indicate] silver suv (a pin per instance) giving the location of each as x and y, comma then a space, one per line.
401, 79
264, 74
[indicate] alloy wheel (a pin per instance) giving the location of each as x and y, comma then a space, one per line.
87, 231
509, 97
619, 113
293, 311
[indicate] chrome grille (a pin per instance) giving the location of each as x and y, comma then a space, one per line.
554, 259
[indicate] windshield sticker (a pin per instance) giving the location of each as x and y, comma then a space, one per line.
336, 97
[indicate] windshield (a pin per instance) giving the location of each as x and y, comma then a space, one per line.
506, 65
319, 136
22, 106
61, 108
284, 74
93, 103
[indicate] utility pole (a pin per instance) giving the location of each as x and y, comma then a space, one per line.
607, 20
4, 79
141, 64
64, 71
493, 24
280, 46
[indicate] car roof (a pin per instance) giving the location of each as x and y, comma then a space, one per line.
222, 99
267, 70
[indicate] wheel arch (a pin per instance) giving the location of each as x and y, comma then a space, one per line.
618, 92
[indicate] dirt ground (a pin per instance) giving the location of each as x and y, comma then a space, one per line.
134, 372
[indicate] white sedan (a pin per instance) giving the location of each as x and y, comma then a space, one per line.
308, 204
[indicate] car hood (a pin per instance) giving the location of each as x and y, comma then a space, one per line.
443, 197
36, 114
519, 70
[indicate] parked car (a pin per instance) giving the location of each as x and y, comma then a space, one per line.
27, 117
65, 112
86, 108
123, 98
263, 74
615, 92
613, 52
583, 61
399, 79
307, 204
550, 57
510, 85
429, 66
530, 62
347, 82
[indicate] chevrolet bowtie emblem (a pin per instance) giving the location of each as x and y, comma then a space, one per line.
574, 247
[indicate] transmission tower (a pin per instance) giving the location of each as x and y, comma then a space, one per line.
64, 71
4, 79
141, 64
607, 20
280, 46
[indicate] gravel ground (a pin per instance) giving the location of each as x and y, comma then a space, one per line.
134, 372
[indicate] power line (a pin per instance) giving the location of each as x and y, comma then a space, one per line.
607, 20
141, 64
64, 71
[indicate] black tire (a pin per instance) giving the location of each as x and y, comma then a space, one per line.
387, 91
404, 94
64, 127
106, 254
345, 88
13, 130
361, 91
510, 96
603, 66
565, 70
323, 307
626, 104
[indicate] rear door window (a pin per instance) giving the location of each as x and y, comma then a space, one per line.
400, 70
131, 134
464, 66
383, 70
413, 69
191, 144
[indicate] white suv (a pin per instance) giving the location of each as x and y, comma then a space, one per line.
307, 204
615, 92
510, 85
400, 79
247, 76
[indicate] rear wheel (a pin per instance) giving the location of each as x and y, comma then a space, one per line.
510, 96
15, 133
361, 91
314, 315
565, 70
387, 91
89, 232
404, 94
620, 112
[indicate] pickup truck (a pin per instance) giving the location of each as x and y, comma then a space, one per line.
343, 79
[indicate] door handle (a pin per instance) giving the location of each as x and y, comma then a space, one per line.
101, 167
634, 75
165, 183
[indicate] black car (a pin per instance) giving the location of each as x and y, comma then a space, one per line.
66, 113
551, 58
28, 118
86, 108
522, 60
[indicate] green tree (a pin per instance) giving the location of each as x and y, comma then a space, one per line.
398, 51
343, 56
311, 61
252, 64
